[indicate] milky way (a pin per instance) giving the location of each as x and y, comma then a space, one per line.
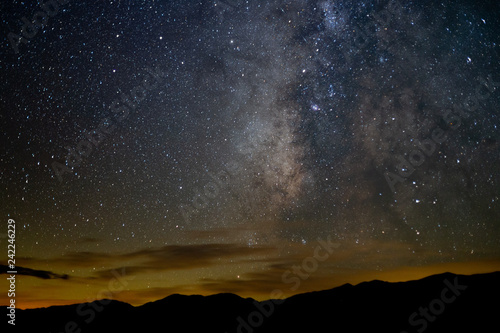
213, 127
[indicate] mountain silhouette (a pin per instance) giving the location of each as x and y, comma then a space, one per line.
438, 303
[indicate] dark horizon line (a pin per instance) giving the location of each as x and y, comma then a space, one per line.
229, 293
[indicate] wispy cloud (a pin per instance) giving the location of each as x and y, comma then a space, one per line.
166, 258
35, 273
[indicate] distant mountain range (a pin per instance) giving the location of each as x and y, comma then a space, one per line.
438, 303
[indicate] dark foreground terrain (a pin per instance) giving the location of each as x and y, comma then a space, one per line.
439, 303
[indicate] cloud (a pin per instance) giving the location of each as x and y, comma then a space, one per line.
35, 273
166, 258
179, 257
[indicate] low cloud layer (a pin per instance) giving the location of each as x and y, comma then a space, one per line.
34, 272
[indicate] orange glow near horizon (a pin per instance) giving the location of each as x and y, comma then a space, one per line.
35, 293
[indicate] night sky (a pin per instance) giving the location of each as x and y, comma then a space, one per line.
199, 147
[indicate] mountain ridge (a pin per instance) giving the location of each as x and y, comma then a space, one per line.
437, 303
